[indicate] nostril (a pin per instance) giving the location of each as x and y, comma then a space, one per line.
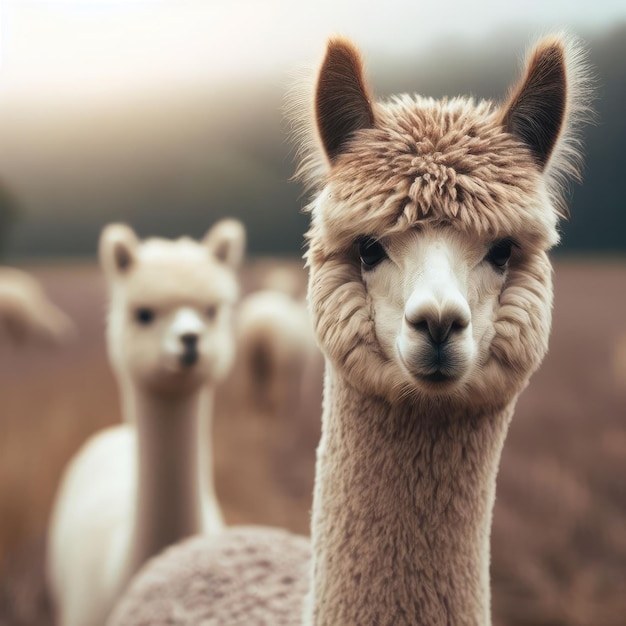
420, 325
439, 329
459, 323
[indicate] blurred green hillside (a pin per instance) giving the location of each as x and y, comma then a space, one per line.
172, 162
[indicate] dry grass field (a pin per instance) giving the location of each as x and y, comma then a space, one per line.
559, 536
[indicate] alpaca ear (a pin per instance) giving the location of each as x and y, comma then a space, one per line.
227, 242
536, 107
342, 99
117, 249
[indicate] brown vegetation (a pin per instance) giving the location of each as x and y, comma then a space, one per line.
558, 548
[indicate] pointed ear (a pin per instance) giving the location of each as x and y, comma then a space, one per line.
117, 249
227, 242
342, 99
535, 111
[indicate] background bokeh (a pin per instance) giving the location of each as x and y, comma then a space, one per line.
170, 114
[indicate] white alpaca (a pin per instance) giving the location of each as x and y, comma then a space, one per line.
27, 315
274, 344
431, 292
138, 487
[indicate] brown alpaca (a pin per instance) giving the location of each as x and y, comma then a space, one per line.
431, 293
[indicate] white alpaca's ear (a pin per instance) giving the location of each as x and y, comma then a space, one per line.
227, 242
536, 107
342, 98
118, 245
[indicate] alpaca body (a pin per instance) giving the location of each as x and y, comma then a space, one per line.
135, 488
430, 292
101, 469
246, 576
100, 497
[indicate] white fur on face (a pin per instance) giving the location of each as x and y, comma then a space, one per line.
434, 302
182, 343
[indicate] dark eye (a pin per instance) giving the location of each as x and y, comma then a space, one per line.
500, 253
211, 312
371, 252
144, 315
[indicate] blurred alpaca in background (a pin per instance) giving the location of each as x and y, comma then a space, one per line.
27, 316
275, 342
137, 487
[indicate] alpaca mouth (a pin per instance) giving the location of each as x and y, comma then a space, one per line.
433, 367
438, 376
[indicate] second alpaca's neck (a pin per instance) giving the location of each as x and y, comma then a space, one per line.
174, 485
402, 513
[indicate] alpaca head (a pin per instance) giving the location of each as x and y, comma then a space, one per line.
170, 306
431, 224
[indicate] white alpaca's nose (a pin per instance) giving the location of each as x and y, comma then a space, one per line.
187, 323
436, 308
184, 335
189, 340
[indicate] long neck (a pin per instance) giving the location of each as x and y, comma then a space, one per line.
173, 470
402, 513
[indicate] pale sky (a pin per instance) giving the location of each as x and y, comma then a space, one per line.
84, 47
